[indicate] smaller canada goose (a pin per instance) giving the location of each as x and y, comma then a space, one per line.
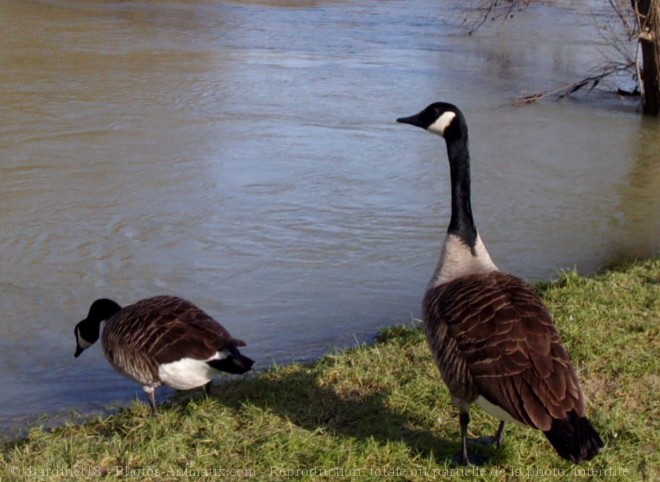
492, 337
162, 340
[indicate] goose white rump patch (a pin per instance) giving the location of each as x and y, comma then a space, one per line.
188, 373
494, 410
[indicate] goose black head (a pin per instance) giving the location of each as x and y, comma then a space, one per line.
440, 118
87, 331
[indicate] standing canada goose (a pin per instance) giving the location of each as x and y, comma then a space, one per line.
492, 337
162, 340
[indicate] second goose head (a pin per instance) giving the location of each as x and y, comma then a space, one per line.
88, 330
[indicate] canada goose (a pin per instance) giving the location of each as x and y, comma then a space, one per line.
162, 340
492, 337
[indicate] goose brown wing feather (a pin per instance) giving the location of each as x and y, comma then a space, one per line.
172, 328
504, 345
134, 364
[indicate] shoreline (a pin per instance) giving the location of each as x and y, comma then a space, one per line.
381, 409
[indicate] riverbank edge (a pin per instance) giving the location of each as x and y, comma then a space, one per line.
381, 410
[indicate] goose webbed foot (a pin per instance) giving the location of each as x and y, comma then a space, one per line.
462, 459
497, 439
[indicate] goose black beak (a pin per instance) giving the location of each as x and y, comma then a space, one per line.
78, 352
414, 120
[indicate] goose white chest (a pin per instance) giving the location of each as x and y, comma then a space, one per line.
457, 259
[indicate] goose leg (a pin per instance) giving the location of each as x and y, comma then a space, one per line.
152, 399
499, 435
464, 419
462, 457
207, 388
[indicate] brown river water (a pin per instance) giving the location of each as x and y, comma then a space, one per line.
245, 155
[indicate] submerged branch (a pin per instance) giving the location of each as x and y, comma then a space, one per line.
568, 89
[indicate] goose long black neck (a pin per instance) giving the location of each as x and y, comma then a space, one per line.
102, 309
462, 222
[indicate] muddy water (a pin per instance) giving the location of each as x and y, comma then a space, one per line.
244, 155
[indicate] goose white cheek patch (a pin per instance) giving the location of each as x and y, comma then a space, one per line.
84, 344
441, 123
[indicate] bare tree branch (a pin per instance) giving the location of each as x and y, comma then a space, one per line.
567, 89
631, 35
494, 9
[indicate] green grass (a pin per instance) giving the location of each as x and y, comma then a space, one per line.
382, 410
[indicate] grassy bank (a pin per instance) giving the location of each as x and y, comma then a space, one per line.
382, 410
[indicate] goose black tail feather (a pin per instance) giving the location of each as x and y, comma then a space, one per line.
574, 438
236, 364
